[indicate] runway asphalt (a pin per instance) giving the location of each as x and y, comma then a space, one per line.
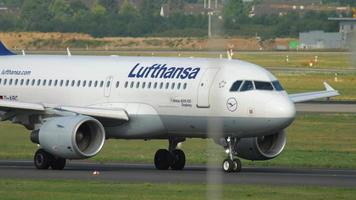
327, 107
145, 173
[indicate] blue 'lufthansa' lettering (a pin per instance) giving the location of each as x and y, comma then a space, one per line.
162, 71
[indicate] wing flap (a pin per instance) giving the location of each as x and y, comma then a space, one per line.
307, 96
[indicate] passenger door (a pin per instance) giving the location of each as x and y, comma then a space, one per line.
204, 87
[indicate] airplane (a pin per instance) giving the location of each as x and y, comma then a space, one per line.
72, 104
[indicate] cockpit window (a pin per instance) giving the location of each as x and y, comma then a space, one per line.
277, 86
248, 85
261, 85
235, 87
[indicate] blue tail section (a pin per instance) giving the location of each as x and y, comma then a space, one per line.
4, 51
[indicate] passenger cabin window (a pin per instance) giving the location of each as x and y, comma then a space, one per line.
248, 85
277, 86
261, 85
236, 86
185, 86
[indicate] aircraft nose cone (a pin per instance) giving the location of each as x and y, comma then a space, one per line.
281, 108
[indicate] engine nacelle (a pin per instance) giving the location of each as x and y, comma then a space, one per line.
261, 148
71, 137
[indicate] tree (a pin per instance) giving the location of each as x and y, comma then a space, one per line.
150, 7
111, 6
127, 9
60, 10
176, 6
98, 9
77, 6
36, 16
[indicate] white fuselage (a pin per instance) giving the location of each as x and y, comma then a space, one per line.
163, 97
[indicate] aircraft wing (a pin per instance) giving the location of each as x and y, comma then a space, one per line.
16, 106
119, 114
302, 97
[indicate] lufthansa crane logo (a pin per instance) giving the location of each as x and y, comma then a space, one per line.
231, 104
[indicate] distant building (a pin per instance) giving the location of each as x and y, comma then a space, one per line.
347, 26
321, 40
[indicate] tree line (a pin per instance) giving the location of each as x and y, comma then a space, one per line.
105, 18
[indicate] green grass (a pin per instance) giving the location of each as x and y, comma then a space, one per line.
295, 83
335, 60
314, 140
87, 190
299, 59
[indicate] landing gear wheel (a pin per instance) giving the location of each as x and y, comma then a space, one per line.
178, 159
42, 159
228, 165
58, 163
237, 165
163, 159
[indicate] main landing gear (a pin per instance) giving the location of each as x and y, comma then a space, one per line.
172, 158
231, 164
44, 160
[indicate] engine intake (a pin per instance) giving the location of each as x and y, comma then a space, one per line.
72, 137
261, 148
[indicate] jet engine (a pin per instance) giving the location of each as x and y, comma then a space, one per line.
71, 137
261, 148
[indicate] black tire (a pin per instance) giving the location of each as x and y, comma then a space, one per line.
227, 165
178, 160
58, 163
237, 165
163, 159
42, 159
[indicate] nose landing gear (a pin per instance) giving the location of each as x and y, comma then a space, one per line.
172, 158
231, 164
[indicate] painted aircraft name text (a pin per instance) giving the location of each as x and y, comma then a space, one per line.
162, 71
